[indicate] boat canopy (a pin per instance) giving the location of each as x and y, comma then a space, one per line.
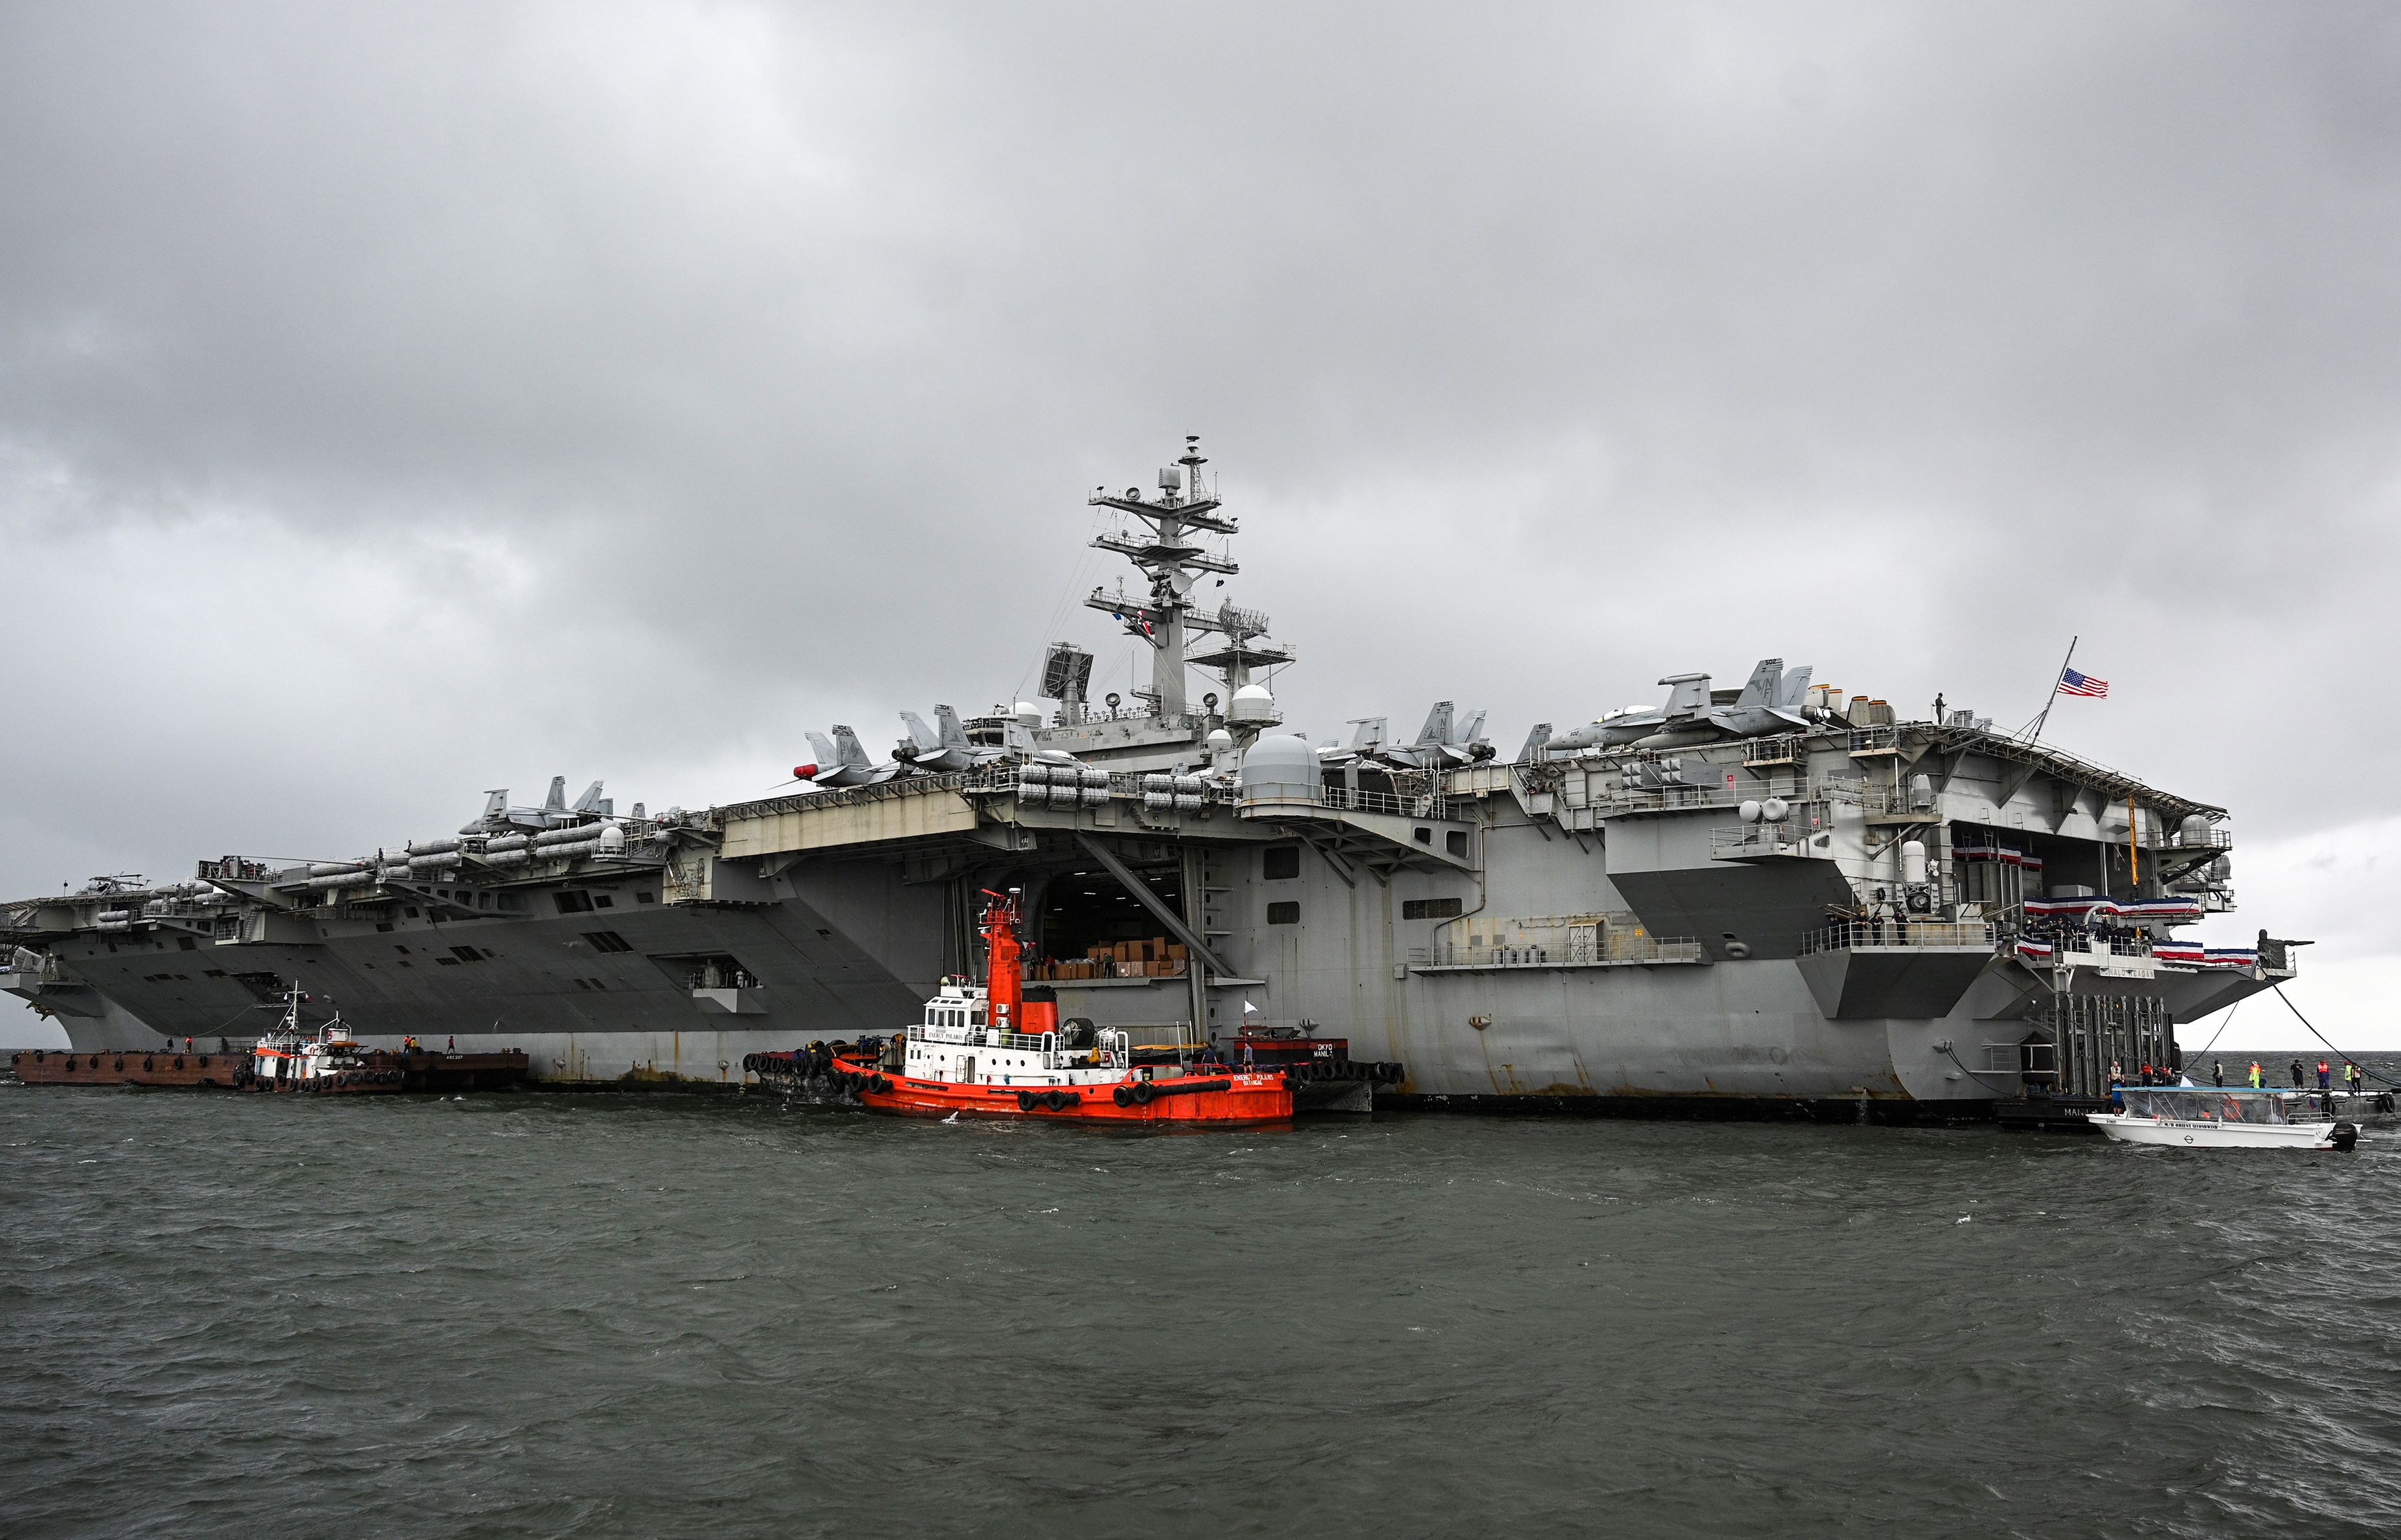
2214, 1104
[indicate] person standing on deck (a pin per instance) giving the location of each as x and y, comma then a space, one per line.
2217, 1074
2351, 1076
2297, 1074
2256, 1077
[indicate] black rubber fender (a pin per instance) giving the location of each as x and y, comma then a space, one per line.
1059, 1101
1122, 1096
878, 1085
1143, 1092
1025, 1101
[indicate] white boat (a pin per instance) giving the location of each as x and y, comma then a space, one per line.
2213, 1117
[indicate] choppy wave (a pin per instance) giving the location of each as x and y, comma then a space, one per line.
589, 1315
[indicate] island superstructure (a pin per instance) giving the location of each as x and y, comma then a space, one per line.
1773, 899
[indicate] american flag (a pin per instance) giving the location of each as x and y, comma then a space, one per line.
2073, 683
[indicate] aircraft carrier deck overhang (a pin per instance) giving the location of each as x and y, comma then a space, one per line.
974, 816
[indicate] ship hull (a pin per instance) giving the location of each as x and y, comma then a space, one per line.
613, 978
1729, 1038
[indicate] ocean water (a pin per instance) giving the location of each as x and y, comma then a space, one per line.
560, 1315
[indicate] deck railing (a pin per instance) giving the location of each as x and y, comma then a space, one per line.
1898, 932
1573, 952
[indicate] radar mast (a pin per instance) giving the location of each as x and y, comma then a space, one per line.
1162, 548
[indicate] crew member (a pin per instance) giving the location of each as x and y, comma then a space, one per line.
2325, 1079
2256, 1080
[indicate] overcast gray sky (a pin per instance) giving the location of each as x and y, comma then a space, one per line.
400, 402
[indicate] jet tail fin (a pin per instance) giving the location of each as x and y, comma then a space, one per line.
1536, 742
919, 734
823, 750
1762, 689
953, 735
1473, 733
852, 751
556, 801
590, 800
1437, 725
1370, 735
1795, 693
496, 805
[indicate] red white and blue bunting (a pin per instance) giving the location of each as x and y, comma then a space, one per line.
2001, 853
2166, 951
2159, 910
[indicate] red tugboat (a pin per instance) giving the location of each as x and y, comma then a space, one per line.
989, 1051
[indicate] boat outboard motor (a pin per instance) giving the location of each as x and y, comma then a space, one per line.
2346, 1137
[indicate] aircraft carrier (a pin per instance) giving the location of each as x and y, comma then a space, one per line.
1779, 899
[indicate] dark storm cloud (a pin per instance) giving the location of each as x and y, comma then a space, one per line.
395, 403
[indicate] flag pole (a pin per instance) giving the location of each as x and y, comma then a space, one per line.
2056, 679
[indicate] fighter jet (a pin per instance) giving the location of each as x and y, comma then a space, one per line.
1439, 745
552, 813
843, 762
1367, 742
948, 749
1772, 701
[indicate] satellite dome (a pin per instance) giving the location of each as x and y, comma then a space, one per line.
1280, 768
1252, 703
1220, 741
1028, 714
